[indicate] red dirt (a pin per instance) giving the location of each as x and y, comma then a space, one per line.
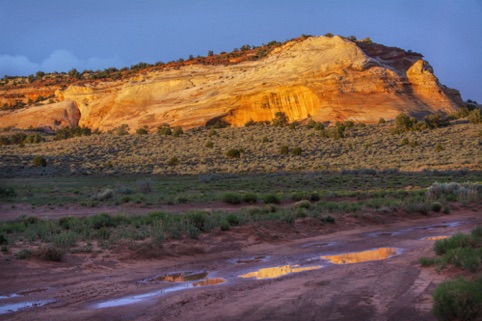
393, 289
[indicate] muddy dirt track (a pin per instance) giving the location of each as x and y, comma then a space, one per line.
109, 286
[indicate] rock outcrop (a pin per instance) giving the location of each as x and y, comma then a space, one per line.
326, 78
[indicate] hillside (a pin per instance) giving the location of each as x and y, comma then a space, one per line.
326, 78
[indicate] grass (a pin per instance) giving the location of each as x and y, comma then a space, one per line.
458, 299
369, 147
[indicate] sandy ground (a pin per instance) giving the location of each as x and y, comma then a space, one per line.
395, 288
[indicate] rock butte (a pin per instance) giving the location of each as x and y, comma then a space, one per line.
326, 78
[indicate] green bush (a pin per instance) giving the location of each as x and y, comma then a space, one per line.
233, 153
196, 219
475, 116
177, 131
142, 131
232, 198
458, 300
296, 151
458, 240
232, 219
284, 150
101, 220
164, 131
466, 258
250, 198
224, 225
39, 161
209, 144
436, 206
7, 192
271, 199
23, 254
173, 161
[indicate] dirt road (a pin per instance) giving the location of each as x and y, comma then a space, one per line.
228, 285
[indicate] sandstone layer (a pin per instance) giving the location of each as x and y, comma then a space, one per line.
326, 78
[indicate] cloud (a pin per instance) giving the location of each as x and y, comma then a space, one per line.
59, 60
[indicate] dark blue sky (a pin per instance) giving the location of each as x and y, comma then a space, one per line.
57, 35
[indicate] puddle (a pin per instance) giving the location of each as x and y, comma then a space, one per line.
436, 238
214, 281
140, 297
14, 307
181, 277
357, 257
254, 259
277, 271
321, 244
445, 225
382, 234
23, 293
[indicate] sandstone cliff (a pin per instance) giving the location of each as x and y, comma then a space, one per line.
326, 78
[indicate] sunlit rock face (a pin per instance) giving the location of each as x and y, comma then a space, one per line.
326, 78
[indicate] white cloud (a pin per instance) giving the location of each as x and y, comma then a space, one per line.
59, 60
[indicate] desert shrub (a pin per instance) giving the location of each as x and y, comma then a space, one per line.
3, 240
475, 116
7, 192
466, 258
271, 199
173, 161
435, 121
459, 240
314, 197
232, 219
164, 130
39, 161
101, 220
68, 222
23, 254
50, 253
120, 130
233, 153
328, 219
348, 124
457, 300
196, 219
265, 139
33, 139
250, 198
209, 144
302, 204
142, 131
428, 261
436, 206
381, 121
284, 150
477, 233
296, 151
405, 123
177, 131
104, 195
232, 198
145, 186
212, 132
69, 132
224, 225
280, 119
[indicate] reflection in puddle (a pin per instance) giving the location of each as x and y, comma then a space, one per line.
274, 272
357, 257
214, 281
182, 277
14, 307
436, 238
138, 298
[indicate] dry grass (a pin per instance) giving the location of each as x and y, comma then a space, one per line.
363, 147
